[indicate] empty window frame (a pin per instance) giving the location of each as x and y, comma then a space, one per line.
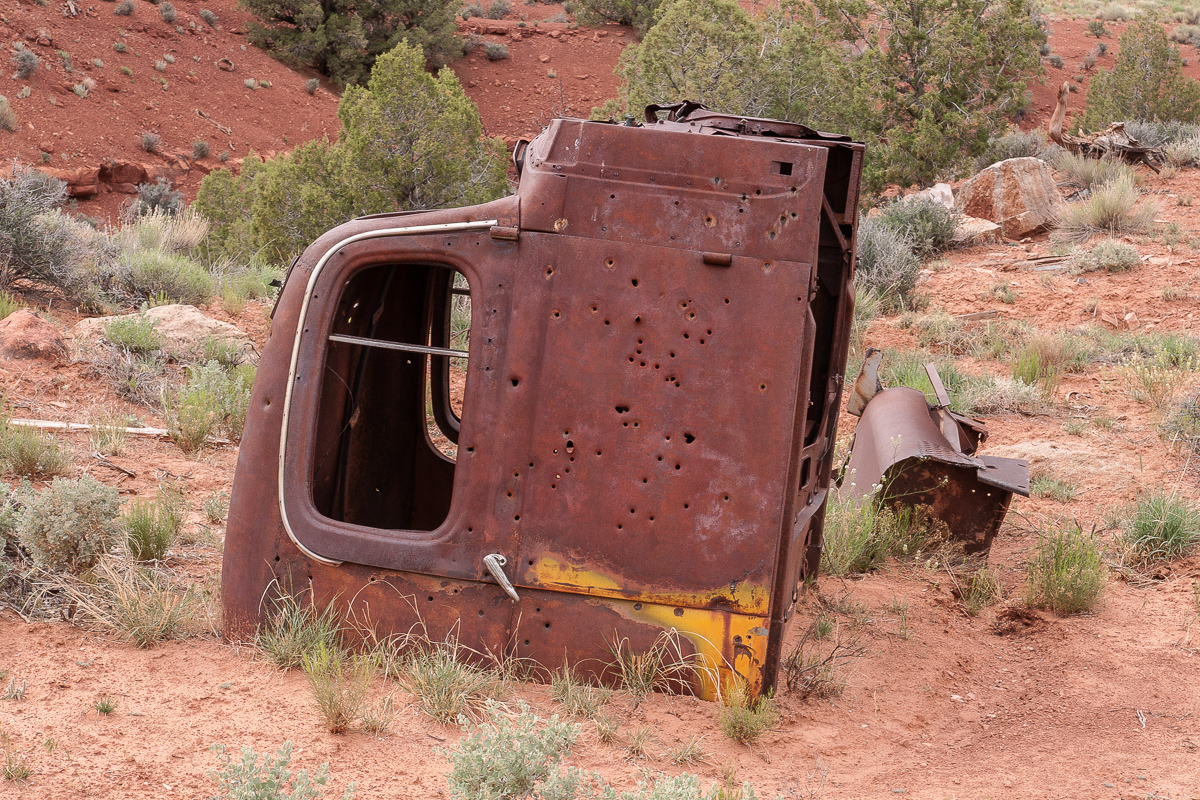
392, 397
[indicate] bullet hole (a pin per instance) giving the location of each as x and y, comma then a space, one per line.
622, 409
634, 282
688, 438
515, 381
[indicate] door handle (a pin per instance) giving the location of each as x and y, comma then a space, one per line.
495, 564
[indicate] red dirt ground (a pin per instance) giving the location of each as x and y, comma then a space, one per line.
1011, 704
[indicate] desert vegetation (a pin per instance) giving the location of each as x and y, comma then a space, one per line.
1077, 338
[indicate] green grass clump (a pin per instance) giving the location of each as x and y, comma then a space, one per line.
339, 682
294, 631
661, 668
445, 685
152, 526
8, 304
980, 589
212, 400
135, 333
1090, 173
141, 605
1109, 212
1181, 427
29, 453
578, 698
743, 719
1162, 526
1067, 572
1050, 487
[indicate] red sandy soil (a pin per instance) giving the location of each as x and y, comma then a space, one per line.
1010, 704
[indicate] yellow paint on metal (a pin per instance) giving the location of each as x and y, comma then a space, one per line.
550, 573
725, 640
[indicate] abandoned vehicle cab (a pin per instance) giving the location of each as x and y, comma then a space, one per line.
597, 410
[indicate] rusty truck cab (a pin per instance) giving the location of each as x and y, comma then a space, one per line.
596, 410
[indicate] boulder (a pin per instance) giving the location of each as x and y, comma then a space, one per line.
940, 193
1019, 195
184, 328
25, 335
972, 230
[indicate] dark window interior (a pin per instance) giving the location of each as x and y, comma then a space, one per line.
391, 397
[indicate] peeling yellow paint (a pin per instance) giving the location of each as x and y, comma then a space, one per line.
723, 638
550, 573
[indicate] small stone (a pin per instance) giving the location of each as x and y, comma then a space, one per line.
543, 58
46, 147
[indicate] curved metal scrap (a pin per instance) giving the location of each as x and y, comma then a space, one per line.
900, 444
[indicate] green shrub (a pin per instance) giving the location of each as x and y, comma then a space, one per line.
124, 8
498, 9
1161, 526
924, 222
149, 141
209, 17
70, 524
1067, 572
345, 42
956, 92
151, 527
509, 755
1146, 82
200, 149
409, 140
495, 51
248, 779
154, 275
311, 85
30, 453
1160, 133
1013, 144
26, 62
779, 65
35, 240
887, 264
8, 117
1109, 255
135, 333
211, 400
639, 14
167, 12
157, 197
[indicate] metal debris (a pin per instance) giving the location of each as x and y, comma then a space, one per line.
634, 451
926, 456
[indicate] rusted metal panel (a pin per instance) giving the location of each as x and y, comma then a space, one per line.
658, 329
900, 444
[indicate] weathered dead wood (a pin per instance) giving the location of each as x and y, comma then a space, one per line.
1113, 141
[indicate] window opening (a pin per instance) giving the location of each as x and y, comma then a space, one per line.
392, 397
